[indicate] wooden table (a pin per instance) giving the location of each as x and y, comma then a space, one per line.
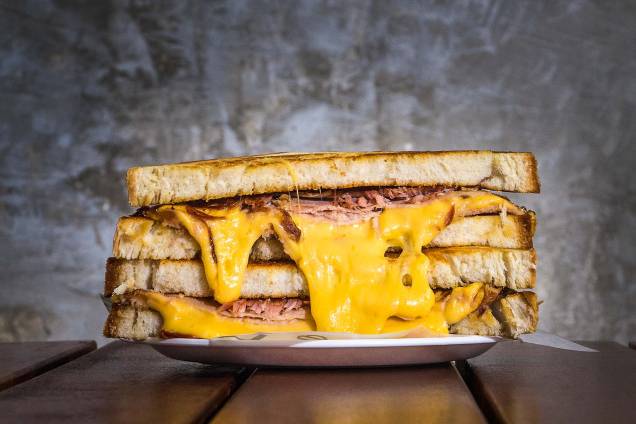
22, 361
513, 382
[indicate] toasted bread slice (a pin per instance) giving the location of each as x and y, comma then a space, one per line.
130, 322
459, 266
517, 313
450, 267
266, 279
143, 238
510, 315
138, 322
241, 176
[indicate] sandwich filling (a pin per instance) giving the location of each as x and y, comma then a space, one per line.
361, 252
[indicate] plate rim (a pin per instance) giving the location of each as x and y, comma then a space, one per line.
230, 342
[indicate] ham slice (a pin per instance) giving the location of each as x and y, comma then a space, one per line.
266, 309
341, 206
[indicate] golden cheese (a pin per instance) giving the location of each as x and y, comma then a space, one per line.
188, 317
353, 287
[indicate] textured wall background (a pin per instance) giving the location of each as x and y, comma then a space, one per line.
89, 88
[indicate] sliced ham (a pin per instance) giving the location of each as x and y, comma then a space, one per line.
266, 309
342, 206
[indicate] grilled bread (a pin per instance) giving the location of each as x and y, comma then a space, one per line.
450, 267
144, 238
242, 176
510, 315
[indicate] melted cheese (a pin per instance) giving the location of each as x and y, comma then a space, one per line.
353, 287
187, 317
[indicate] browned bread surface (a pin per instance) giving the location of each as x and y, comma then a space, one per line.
137, 322
518, 313
143, 238
221, 178
450, 267
512, 314
262, 280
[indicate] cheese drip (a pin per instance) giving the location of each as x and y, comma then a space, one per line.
353, 287
183, 316
188, 317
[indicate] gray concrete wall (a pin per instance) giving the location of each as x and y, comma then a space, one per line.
88, 89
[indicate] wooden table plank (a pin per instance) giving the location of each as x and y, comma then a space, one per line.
121, 382
22, 361
380, 395
522, 382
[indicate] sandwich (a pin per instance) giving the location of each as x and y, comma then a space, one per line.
365, 243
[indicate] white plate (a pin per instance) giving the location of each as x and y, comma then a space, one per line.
323, 350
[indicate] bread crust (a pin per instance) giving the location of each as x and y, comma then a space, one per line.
248, 175
517, 312
143, 238
450, 267
139, 322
